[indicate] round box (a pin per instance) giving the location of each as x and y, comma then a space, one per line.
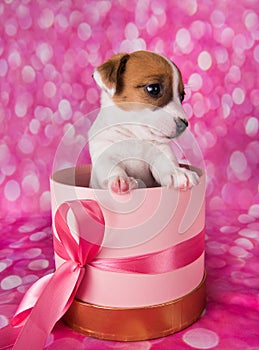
161, 227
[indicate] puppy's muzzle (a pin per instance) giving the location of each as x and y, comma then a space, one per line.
181, 125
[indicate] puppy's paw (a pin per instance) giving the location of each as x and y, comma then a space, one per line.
181, 178
122, 184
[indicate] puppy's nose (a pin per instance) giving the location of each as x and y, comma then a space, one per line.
181, 125
184, 121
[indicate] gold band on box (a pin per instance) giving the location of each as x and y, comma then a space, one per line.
135, 324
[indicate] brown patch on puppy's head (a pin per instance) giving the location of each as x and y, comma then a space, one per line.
111, 72
142, 77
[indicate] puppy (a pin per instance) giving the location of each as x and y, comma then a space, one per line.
141, 112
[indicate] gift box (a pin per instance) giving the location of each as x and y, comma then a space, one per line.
138, 257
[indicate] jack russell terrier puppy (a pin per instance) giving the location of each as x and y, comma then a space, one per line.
141, 112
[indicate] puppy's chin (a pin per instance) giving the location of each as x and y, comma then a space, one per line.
176, 134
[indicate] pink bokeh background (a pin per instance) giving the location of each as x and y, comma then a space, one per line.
48, 50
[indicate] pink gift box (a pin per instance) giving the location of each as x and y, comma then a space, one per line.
151, 260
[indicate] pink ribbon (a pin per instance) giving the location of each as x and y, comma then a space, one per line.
50, 297
163, 261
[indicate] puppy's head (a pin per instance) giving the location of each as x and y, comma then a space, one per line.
145, 80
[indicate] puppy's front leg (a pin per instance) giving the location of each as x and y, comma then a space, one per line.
105, 174
167, 171
119, 182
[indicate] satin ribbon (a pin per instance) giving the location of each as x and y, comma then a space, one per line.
163, 261
51, 296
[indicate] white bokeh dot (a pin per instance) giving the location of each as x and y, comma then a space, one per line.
183, 38
14, 59
39, 264
24, 15
30, 184
238, 95
38, 236
239, 43
45, 52
227, 35
84, 31
32, 253
12, 190
62, 21
188, 110
34, 126
82, 58
45, 201
246, 232
3, 265
11, 282
152, 25
234, 74
20, 108
3, 67
46, 19
254, 210
221, 55
252, 126
65, 110
49, 89
244, 243
28, 227
217, 18
49, 131
198, 29
201, 338
238, 252
229, 229
251, 20
238, 162
245, 218
131, 31
11, 27
26, 145
28, 74
10, 168
190, 7
133, 45
195, 81
204, 60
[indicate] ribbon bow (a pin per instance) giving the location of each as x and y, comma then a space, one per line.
50, 297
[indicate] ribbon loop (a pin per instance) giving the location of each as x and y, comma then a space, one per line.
90, 240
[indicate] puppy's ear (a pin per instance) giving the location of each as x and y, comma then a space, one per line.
109, 75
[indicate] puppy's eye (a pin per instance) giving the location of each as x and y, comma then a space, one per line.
154, 90
182, 96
